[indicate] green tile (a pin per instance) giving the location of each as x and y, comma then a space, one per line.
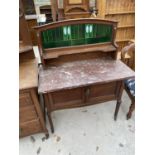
80, 34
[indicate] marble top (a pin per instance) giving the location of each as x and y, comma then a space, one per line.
82, 73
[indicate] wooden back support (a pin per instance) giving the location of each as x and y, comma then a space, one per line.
128, 55
76, 36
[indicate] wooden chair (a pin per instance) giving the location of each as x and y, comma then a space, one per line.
128, 57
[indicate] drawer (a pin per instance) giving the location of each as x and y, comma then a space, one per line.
67, 97
25, 98
101, 92
29, 128
27, 113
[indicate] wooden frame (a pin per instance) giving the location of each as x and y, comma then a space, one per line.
80, 75
50, 53
52, 106
31, 119
31, 116
80, 90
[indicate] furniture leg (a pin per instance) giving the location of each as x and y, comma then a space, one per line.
119, 101
50, 121
117, 109
47, 135
132, 108
44, 107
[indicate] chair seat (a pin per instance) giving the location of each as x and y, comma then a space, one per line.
130, 84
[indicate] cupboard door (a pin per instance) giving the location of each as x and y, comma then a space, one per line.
27, 113
30, 127
66, 98
101, 92
25, 98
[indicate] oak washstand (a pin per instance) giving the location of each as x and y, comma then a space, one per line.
79, 65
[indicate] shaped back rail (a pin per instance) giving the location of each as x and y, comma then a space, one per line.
76, 36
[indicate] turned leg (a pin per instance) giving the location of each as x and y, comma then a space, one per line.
119, 96
132, 108
44, 108
47, 104
117, 109
50, 121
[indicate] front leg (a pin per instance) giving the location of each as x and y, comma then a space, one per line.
117, 109
132, 108
119, 96
50, 121
49, 110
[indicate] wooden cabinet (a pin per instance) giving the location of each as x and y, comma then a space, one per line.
102, 92
25, 98
30, 127
79, 65
27, 113
83, 96
30, 113
83, 83
67, 97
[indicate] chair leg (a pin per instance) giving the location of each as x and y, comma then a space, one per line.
131, 109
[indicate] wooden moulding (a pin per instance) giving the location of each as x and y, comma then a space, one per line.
53, 53
75, 21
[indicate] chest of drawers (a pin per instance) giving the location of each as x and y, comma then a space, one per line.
31, 119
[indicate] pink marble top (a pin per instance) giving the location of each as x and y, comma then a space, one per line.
82, 73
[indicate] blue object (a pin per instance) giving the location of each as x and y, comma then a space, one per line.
130, 84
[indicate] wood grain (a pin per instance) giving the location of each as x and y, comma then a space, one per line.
28, 74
